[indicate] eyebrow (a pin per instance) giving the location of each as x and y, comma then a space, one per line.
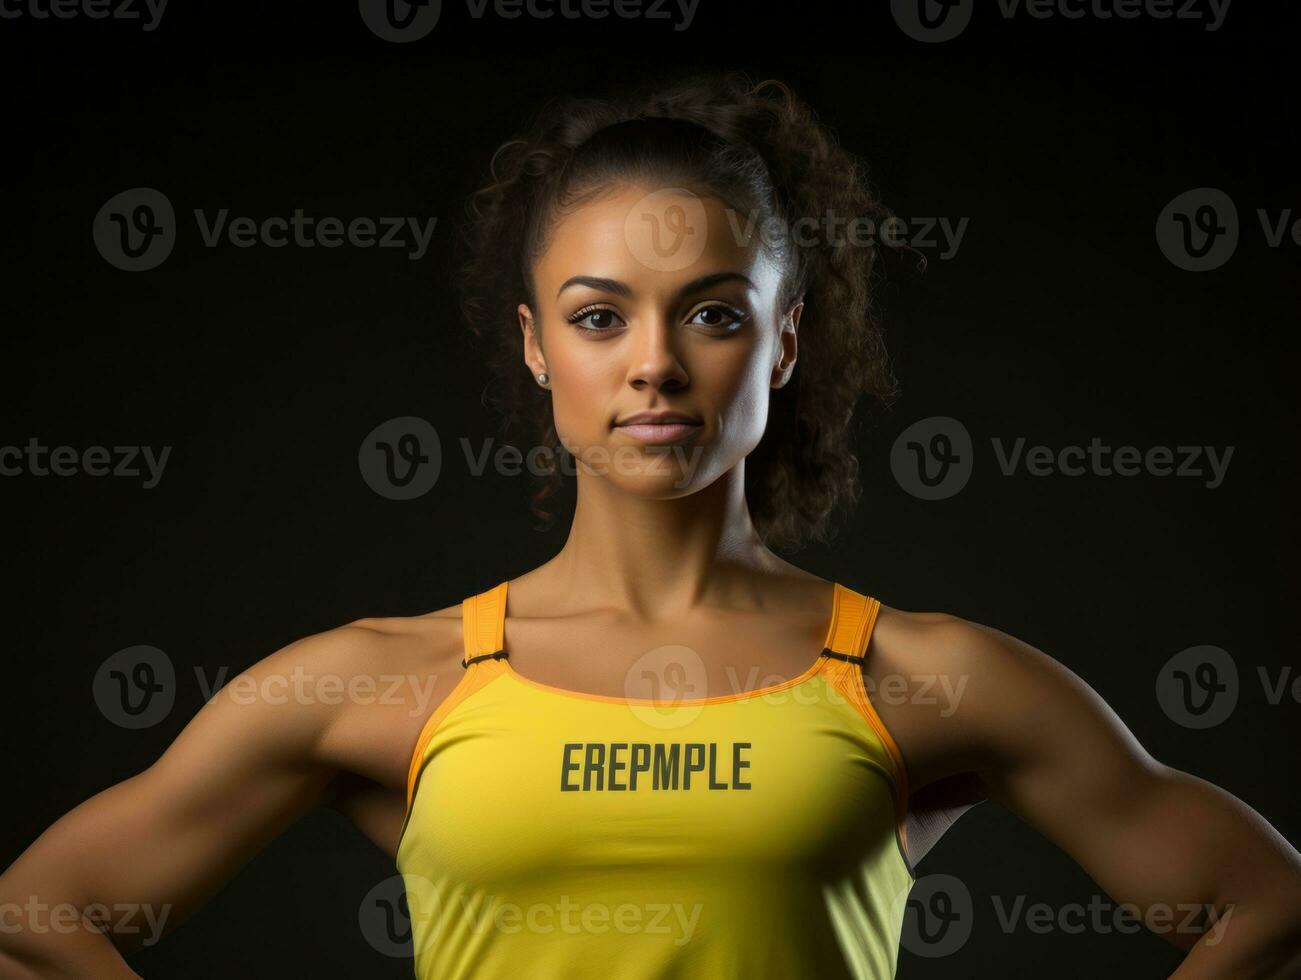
621, 289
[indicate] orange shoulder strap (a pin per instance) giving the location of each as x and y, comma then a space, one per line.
852, 617
483, 624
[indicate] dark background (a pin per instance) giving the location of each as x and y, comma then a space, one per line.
1059, 319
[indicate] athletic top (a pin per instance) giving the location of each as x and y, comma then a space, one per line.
554, 834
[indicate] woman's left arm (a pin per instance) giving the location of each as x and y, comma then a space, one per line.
1166, 842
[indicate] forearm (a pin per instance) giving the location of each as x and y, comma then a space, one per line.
1249, 944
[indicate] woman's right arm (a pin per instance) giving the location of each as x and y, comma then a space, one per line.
142, 855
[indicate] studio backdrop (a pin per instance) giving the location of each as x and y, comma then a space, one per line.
241, 405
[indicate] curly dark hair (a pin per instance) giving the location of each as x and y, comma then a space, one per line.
761, 150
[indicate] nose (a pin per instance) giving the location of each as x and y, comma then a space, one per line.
654, 360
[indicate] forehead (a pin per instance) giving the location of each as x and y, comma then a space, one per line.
652, 239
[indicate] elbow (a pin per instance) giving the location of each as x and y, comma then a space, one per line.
1264, 943
39, 942
13, 968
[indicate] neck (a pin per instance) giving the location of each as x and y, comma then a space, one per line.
658, 558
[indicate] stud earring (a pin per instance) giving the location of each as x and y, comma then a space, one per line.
543, 378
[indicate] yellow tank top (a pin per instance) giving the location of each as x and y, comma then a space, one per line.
556, 835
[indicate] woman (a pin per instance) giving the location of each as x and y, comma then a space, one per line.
659, 753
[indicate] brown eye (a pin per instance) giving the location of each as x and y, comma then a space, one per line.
718, 317
594, 319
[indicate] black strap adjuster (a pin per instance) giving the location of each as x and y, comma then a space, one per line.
828, 652
484, 656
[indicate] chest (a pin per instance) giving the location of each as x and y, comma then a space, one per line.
518, 780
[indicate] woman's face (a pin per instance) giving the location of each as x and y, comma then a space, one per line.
657, 300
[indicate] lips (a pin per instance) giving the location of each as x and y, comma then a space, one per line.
665, 432
657, 418
658, 427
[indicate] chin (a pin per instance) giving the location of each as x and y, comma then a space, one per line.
658, 478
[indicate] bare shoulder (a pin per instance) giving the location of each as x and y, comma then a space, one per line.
357, 693
937, 643
397, 661
966, 697
426, 641
368, 646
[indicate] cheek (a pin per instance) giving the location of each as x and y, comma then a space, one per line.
736, 387
585, 390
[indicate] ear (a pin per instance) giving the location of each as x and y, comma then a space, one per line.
781, 372
533, 357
